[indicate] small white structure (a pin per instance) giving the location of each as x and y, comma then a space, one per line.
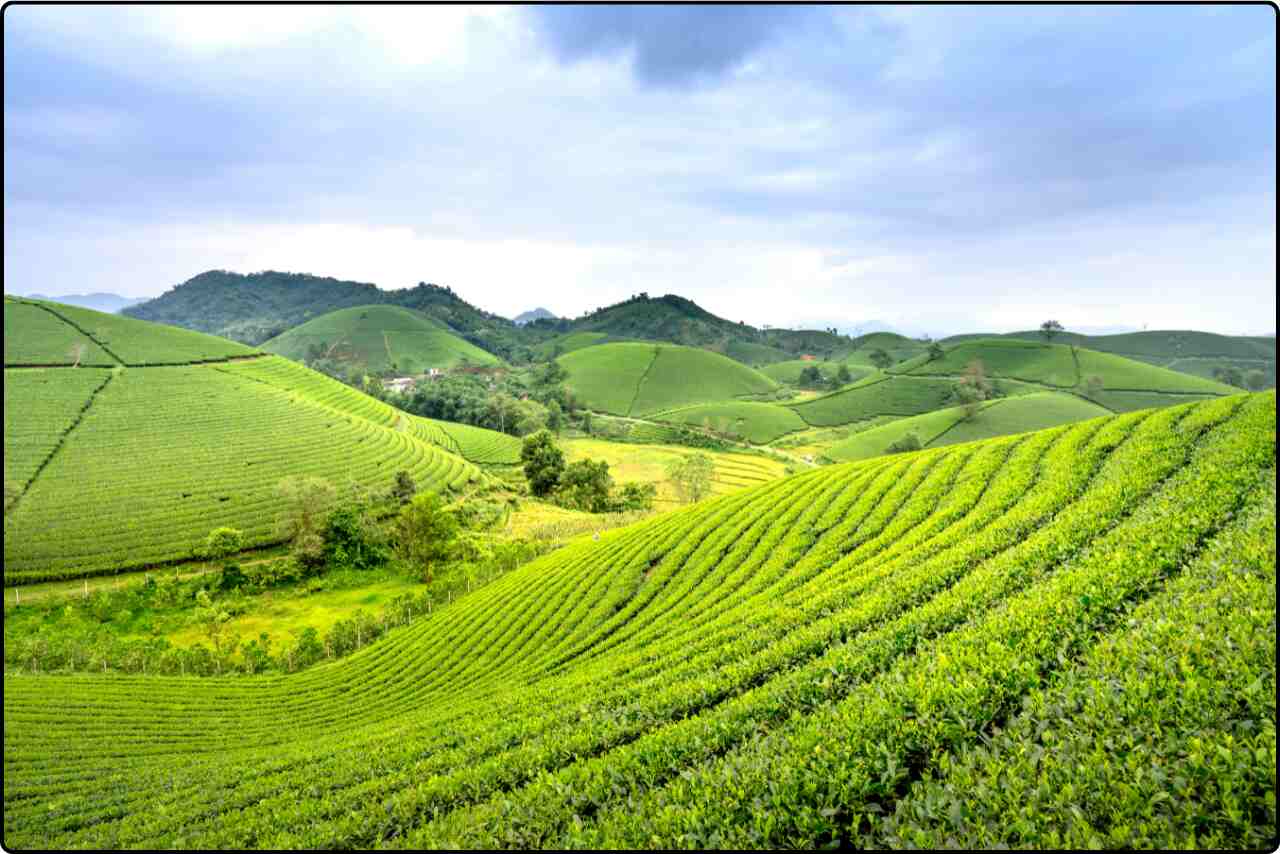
399, 384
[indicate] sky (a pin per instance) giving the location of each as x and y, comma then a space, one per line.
936, 169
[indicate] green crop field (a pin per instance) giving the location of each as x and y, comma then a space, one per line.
751, 353
1121, 374
381, 339
50, 333
40, 406
996, 644
641, 379
1021, 414
568, 343
758, 423
789, 371
876, 441
876, 395
1050, 364
165, 454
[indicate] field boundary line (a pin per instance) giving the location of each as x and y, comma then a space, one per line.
643, 377
62, 439
82, 331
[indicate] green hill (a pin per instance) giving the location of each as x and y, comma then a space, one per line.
1001, 417
641, 379
1185, 351
130, 466
754, 422
381, 339
260, 306
38, 333
994, 644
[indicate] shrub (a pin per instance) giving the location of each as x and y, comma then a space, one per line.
543, 463
909, 442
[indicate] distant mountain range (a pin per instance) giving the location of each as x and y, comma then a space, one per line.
110, 303
536, 314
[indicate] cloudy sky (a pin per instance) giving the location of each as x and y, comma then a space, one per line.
942, 169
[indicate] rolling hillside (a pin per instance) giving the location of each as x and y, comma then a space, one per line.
1185, 351
641, 379
132, 465
995, 644
382, 339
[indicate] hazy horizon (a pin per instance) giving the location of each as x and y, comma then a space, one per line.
934, 169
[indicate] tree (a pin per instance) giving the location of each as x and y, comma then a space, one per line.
404, 488
351, 539
586, 485
555, 417
636, 496
424, 533
543, 463
1231, 375
972, 388
307, 501
1092, 386
1255, 380
1049, 329
586, 422
691, 476
810, 377
221, 542
909, 442
935, 352
843, 376
213, 620
880, 358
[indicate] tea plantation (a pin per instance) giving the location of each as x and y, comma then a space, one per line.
1061, 638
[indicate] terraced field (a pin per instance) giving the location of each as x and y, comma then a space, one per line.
640, 379
1001, 417
750, 421
1002, 643
165, 454
647, 464
381, 338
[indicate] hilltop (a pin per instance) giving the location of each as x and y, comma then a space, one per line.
129, 456
109, 303
1068, 622
536, 314
379, 339
254, 308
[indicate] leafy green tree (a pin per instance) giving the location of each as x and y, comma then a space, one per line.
810, 377
1093, 386
213, 620
880, 358
691, 476
843, 375
543, 462
555, 417
425, 532
586, 422
1231, 375
1255, 380
307, 501
352, 540
221, 542
1050, 328
909, 442
404, 487
636, 496
586, 485
972, 389
936, 352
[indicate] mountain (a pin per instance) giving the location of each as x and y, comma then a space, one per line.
379, 339
110, 303
253, 308
537, 314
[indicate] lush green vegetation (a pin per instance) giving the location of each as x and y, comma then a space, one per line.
165, 454
996, 642
50, 333
876, 395
1004, 416
789, 371
754, 422
379, 339
1049, 364
40, 407
641, 379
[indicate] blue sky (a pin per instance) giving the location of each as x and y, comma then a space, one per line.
943, 169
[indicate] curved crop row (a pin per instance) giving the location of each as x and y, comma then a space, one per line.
820, 659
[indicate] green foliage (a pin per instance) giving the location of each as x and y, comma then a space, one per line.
1064, 639
1050, 328
634, 496
351, 539
880, 358
425, 532
543, 463
909, 442
404, 488
221, 542
305, 506
586, 485
746, 420
691, 476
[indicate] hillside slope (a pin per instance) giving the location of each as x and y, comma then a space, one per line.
380, 339
132, 465
839, 658
642, 379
